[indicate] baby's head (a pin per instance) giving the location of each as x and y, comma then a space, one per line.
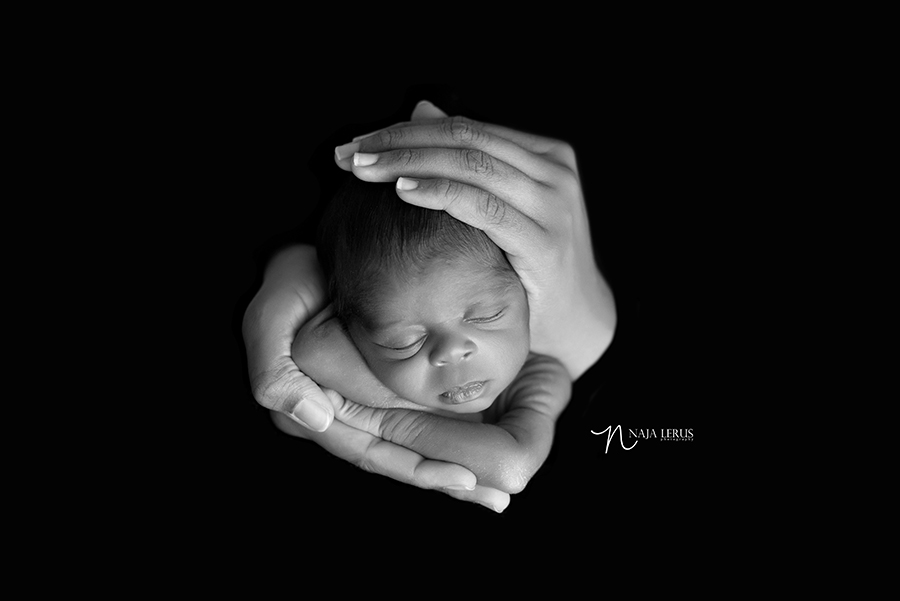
431, 303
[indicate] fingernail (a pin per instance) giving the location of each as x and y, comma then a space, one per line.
459, 487
342, 152
362, 159
404, 183
311, 415
371, 133
427, 109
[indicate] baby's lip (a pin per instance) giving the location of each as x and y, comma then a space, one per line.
463, 394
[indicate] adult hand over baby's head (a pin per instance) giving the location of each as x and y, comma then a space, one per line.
524, 191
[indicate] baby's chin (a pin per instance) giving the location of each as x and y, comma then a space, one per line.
475, 406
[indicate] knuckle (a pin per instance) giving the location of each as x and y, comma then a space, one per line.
565, 149
565, 154
567, 179
367, 459
448, 189
478, 162
406, 157
388, 137
271, 388
492, 209
463, 130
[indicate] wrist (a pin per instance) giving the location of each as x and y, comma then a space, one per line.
578, 336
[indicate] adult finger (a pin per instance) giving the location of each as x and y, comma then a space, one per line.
493, 499
465, 165
551, 148
460, 132
284, 388
382, 457
388, 459
509, 228
370, 420
423, 111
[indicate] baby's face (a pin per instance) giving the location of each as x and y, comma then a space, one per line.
453, 338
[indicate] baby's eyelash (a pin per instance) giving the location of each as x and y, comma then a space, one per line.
402, 348
493, 317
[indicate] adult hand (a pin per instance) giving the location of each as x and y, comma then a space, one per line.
361, 444
524, 191
293, 292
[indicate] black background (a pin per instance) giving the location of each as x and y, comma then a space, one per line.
655, 157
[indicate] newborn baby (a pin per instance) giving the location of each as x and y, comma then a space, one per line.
432, 304
441, 319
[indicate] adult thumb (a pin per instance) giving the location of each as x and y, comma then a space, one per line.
313, 411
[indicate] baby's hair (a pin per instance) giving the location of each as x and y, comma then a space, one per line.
368, 234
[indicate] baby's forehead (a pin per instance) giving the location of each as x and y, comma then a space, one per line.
447, 284
466, 275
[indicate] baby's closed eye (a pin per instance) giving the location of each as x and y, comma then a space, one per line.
488, 318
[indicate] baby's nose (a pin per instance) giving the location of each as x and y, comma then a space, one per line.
450, 350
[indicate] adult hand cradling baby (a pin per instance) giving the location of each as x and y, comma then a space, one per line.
522, 190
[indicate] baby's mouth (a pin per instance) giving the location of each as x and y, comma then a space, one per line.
463, 394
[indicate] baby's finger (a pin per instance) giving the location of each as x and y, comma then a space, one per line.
509, 228
493, 499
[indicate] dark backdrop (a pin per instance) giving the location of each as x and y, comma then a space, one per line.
655, 168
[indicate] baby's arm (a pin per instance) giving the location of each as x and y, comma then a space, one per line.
504, 454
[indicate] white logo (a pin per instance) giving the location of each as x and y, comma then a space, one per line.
610, 433
667, 434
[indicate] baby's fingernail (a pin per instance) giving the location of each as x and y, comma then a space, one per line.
345, 151
311, 415
404, 183
362, 159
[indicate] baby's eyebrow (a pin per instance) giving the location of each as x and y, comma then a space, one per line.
500, 287
375, 327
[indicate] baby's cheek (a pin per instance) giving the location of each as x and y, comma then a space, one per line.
514, 352
404, 378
